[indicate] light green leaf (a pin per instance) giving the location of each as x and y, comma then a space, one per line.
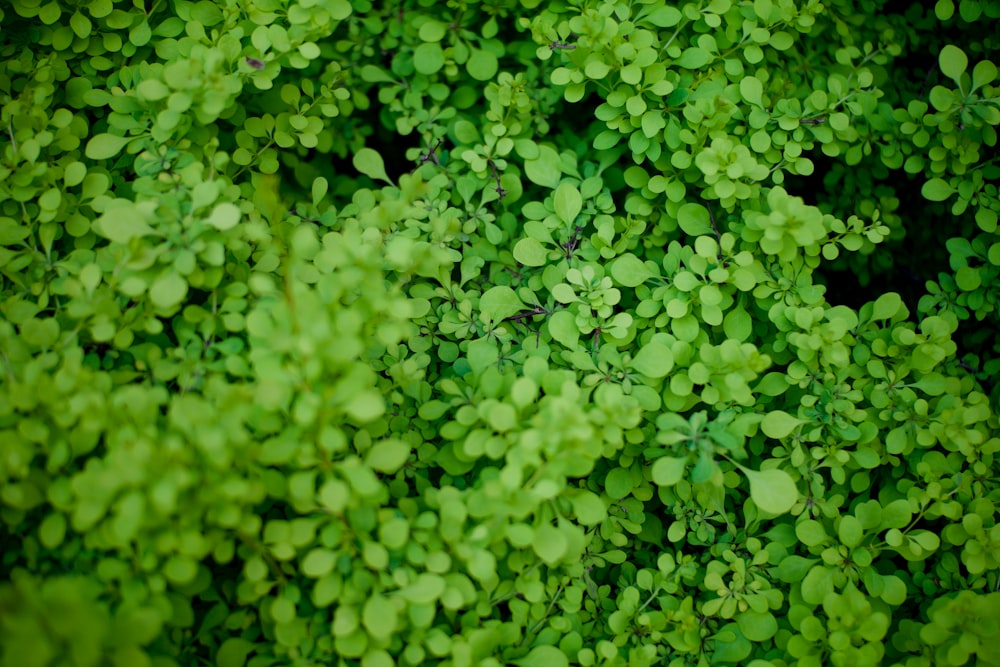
590, 510
233, 652
168, 290
563, 328
818, 583
433, 31
543, 656
388, 456
887, 306
850, 531
379, 617
424, 590
653, 360
953, 62
319, 562
120, 224
752, 89
694, 219
944, 9
757, 626
482, 65
693, 58
224, 216
500, 302
530, 252
544, 170
481, 354
152, 90
550, 543
630, 271
618, 483
983, 74
773, 490
338, 9
668, 470
365, 406
369, 163
428, 58
105, 146
568, 202
52, 530
180, 570
778, 424
937, 189
663, 16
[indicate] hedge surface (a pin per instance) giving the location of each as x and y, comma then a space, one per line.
585, 332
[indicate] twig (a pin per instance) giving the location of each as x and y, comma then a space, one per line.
431, 154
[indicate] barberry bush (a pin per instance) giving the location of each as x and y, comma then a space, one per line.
443, 332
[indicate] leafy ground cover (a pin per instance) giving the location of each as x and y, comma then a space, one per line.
586, 332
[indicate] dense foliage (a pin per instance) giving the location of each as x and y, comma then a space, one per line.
442, 332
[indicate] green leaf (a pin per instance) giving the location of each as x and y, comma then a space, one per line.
694, 219
388, 456
668, 470
365, 406
233, 652
379, 617
944, 9
544, 170
983, 74
550, 543
618, 483
543, 656
424, 590
481, 354
428, 58
168, 290
752, 90
693, 58
953, 62
338, 9
120, 224
792, 569
482, 65
663, 16
224, 216
590, 510
369, 163
630, 271
52, 530
530, 252
500, 302
653, 360
563, 328
180, 570
319, 562
937, 189
757, 626
738, 324
152, 90
567, 202
466, 132
773, 490
817, 584
433, 31
779, 424
968, 278
887, 306
849, 531
105, 146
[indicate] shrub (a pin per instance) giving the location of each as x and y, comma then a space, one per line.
510, 332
